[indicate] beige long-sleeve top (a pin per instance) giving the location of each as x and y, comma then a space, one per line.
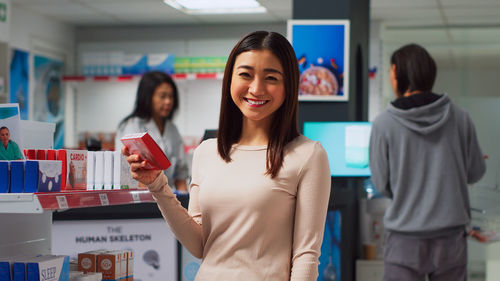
246, 225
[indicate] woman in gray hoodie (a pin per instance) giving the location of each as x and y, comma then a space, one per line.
423, 153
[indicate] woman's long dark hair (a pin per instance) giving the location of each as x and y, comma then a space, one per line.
143, 102
415, 69
284, 124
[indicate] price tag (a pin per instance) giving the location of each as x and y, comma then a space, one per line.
136, 197
62, 202
104, 199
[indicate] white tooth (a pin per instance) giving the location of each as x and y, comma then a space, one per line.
256, 102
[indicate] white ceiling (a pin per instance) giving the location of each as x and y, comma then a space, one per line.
154, 12
461, 32
143, 12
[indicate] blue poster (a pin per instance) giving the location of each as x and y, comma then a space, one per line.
18, 84
322, 50
329, 267
48, 98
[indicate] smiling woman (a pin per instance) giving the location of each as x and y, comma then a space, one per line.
258, 90
259, 192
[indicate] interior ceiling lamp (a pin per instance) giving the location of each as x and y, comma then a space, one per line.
217, 6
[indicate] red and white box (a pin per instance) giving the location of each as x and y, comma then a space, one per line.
123, 262
144, 145
74, 166
130, 265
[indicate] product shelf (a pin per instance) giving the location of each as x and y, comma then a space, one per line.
33, 203
124, 78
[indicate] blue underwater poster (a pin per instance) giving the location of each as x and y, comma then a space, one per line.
48, 98
18, 84
322, 50
329, 267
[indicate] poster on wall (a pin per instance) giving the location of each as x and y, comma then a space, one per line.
322, 50
329, 260
11, 145
19, 77
153, 243
48, 98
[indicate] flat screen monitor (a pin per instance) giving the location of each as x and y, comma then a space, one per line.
346, 144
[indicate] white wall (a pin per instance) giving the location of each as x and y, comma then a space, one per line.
27, 27
39, 34
102, 105
461, 82
375, 102
5, 26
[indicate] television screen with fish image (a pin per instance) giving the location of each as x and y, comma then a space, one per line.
346, 144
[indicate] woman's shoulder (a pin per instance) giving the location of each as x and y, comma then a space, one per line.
303, 143
208, 145
131, 124
206, 149
304, 148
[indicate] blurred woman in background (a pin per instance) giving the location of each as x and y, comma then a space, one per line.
156, 103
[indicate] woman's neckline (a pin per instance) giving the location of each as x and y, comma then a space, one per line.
249, 147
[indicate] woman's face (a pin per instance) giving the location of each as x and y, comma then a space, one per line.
257, 85
162, 101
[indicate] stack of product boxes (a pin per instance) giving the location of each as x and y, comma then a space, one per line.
44, 267
120, 63
199, 64
65, 170
114, 265
91, 266
108, 170
45, 171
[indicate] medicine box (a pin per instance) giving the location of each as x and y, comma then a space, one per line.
87, 261
42, 176
48, 268
109, 265
74, 169
4, 177
16, 176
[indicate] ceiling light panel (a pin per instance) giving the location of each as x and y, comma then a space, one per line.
217, 6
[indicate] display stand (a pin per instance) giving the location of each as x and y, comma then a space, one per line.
26, 218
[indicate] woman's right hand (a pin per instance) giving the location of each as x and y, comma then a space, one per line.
137, 170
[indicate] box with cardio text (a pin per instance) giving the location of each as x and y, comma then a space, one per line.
74, 169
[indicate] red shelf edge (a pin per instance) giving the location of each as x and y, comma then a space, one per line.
82, 199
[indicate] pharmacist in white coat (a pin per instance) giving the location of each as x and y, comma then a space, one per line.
155, 104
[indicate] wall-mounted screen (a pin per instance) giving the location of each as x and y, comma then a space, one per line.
346, 143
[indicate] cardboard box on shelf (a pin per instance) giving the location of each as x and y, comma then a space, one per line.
74, 169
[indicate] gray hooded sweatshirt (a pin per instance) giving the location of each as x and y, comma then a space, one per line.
423, 158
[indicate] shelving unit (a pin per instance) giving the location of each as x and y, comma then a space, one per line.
120, 78
37, 203
199, 102
26, 218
